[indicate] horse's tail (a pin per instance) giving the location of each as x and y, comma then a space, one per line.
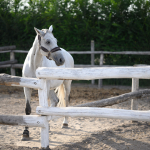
61, 95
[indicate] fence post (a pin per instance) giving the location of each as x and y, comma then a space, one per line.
43, 97
100, 81
12, 57
92, 56
135, 87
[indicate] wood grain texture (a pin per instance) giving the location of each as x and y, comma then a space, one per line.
20, 51
135, 87
17, 65
95, 112
76, 66
93, 73
6, 51
5, 66
116, 100
107, 102
7, 48
9, 80
107, 52
83, 52
100, 81
8, 62
92, 56
43, 102
29, 120
12, 58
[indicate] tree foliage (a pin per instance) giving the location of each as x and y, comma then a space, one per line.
114, 25
122, 23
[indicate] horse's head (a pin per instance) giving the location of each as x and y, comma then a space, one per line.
48, 45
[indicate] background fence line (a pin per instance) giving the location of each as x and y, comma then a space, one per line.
12, 63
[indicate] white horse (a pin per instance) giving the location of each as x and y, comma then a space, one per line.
46, 53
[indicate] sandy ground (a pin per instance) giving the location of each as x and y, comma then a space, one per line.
83, 133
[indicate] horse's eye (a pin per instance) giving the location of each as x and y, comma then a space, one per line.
47, 42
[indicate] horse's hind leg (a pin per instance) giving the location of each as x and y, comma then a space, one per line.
53, 98
27, 92
67, 85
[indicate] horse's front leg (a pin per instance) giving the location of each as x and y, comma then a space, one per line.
27, 92
67, 86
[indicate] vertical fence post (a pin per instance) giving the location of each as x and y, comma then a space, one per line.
135, 87
92, 56
12, 57
43, 97
100, 81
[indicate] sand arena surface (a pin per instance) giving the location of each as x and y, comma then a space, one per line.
83, 133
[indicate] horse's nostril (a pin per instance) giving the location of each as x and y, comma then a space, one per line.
61, 61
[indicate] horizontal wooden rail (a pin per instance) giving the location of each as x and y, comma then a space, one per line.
87, 66
9, 80
17, 65
5, 48
95, 112
108, 52
25, 120
5, 66
86, 52
76, 66
8, 62
116, 100
12, 65
20, 51
110, 101
6, 51
92, 73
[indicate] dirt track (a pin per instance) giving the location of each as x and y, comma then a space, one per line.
83, 133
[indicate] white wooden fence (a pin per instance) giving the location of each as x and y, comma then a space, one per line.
47, 113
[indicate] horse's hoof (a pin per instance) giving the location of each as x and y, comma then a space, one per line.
47, 148
65, 125
134, 121
25, 137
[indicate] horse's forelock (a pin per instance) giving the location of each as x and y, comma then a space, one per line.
47, 31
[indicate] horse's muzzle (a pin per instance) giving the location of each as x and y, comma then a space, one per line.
59, 60
57, 57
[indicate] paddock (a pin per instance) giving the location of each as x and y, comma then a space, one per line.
86, 74
90, 133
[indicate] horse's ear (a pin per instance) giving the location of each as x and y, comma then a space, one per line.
40, 32
51, 28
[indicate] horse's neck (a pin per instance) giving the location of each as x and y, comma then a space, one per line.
35, 56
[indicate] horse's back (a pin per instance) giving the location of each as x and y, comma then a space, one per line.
27, 70
69, 62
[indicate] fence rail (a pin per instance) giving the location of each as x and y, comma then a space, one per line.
95, 112
9, 80
12, 63
92, 73
5, 48
23, 120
